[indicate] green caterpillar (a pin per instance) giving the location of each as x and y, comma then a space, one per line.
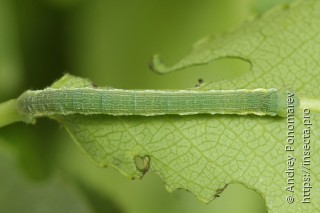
119, 102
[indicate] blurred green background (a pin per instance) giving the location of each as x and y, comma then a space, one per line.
110, 42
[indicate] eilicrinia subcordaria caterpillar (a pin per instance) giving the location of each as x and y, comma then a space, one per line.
120, 102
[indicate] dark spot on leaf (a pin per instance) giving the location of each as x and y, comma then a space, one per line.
220, 190
200, 82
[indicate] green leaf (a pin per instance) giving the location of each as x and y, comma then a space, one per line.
204, 153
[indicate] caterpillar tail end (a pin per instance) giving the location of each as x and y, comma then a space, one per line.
286, 99
22, 109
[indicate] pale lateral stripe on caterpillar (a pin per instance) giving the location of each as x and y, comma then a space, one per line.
152, 102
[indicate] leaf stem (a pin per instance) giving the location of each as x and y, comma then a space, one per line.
311, 104
9, 113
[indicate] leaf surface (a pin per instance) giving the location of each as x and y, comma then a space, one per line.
205, 153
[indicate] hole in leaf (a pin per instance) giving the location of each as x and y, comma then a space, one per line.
142, 163
221, 69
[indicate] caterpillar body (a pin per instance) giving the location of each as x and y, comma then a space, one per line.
120, 102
